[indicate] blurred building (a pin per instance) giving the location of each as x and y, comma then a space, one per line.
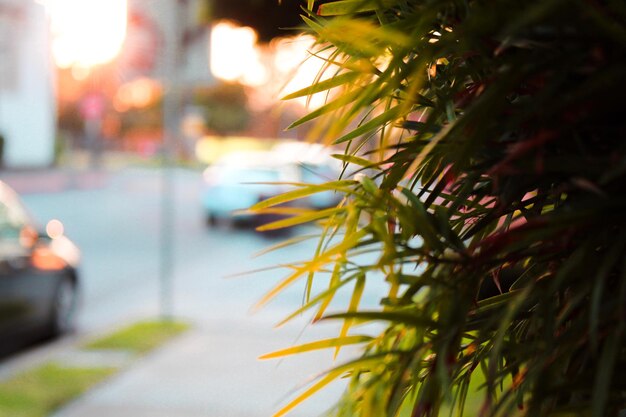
27, 104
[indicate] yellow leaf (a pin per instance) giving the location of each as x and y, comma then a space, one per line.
314, 265
317, 345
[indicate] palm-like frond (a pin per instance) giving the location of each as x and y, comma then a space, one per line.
492, 190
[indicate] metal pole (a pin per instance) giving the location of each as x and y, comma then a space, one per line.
172, 41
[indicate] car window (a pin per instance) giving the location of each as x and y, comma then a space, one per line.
13, 216
255, 175
317, 173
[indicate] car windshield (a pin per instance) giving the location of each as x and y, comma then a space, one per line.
317, 173
250, 175
13, 214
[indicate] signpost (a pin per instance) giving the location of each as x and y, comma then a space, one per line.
171, 118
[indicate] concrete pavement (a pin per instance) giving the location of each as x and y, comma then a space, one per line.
211, 371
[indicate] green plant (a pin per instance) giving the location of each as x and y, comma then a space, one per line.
489, 143
40, 391
141, 337
225, 107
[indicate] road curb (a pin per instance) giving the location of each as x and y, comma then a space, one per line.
54, 180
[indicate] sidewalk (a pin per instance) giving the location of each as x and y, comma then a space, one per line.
210, 371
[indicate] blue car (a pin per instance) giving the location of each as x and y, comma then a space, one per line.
234, 184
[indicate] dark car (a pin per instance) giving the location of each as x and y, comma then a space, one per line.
38, 275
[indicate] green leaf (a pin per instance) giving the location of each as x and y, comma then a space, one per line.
357, 293
325, 297
351, 159
286, 243
335, 280
394, 317
317, 345
304, 191
615, 254
314, 265
312, 24
336, 104
605, 370
301, 219
374, 124
369, 186
354, 366
318, 87
423, 221
353, 6
308, 393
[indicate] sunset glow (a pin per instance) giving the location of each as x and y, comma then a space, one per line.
274, 69
86, 32
235, 55
298, 69
137, 94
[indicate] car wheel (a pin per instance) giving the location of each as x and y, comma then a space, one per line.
64, 307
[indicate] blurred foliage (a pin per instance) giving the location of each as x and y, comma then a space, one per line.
490, 198
224, 106
61, 145
148, 118
69, 118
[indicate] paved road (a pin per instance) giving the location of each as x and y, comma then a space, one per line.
117, 224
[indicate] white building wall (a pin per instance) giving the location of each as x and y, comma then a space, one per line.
27, 105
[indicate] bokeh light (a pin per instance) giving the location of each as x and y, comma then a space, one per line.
139, 93
86, 32
54, 229
274, 69
235, 56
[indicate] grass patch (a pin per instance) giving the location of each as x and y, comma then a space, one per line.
39, 391
140, 337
